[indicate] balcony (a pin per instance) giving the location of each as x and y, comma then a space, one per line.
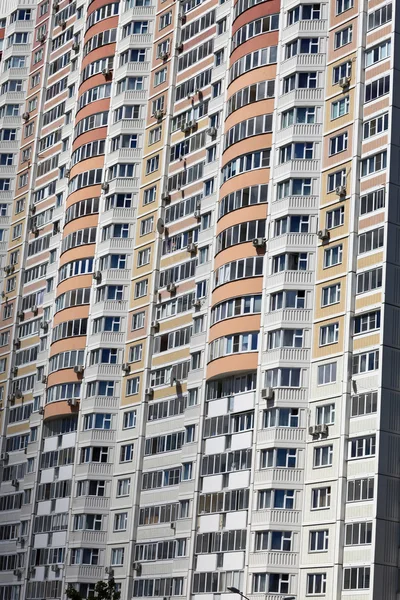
107, 337
295, 203
10, 121
115, 275
125, 183
88, 537
110, 305
300, 131
7, 171
132, 68
136, 13
289, 315
273, 559
292, 355
94, 468
103, 370
9, 146
82, 572
276, 516
302, 95
136, 40
303, 60
281, 434
301, 27
297, 166
131, 125
13, 97
116, 244
290, 278
291, 240
125, 154
131, 95
290, 394
98, 436
278, 475
101, 402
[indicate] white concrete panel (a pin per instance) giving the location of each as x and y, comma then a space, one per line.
43, 508
241, 440
209, 522
206, 562
218, 407
213, 483
236, 520
240, 479
215, 445
233, 561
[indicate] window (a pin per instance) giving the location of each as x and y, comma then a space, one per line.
359, 490
333, 256
129, 421
335, 217
379, 17
343, 70
327, 373
371, 240
294, 187
362, 447
117, 556
336, 180
343, 37
339, 108
303, 12
141, 288
367, 322
320, 498
278, 457
296, 261
358, 534
323, 456
146, 226
123, 487
377, 88
379, 52
364, 404
126, 453
285, 338
288, 299
373, 127
356, 578
138, 321
325, 414
132, 386
319, 540
329, 334
120, 521
343, 5
372, 164
275, 583
338, 143
273, 540
369, 280
282, 499
283, 377
330, 295
365, 362
160, 76
316, 584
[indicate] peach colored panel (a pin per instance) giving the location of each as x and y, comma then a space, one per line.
244, 180
241, 215
233, 289
264, 40
96, 162
370, 221
262, 107
251, 144
99, 133
93, 108
62, 376
255, 12
236, 325
101, 52
259, 74
58, 409
376, 106
71, 313
371, 182
86, 251
244, 250
235, 363
80, 281
80, 223
92, 191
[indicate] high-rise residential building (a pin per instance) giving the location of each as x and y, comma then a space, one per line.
200, 299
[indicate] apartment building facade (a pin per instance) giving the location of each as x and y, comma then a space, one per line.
199, 263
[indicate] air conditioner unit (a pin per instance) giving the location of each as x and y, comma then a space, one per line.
321, 429
164, 55
166, 197
182, 17
56, 6
106, 72
79, 369
109, 571
192, 248
126, 368
44, 379
34, 230
41, 38
179, 47
158, 114
20, 314
67, 173
197, 214
311, 430
196, 303
35, 309
15, 483
212, 131
17, 572
41, 410
11, 398
62, 23
341, 190
149, 392
155, 326
20, 540
4, 456
97, 275
72, 401
105, 186
136, 566
75, 47
323, 234
17, 344
171, 288
32, 209
25, 116
267, 393
44, 325
344, 82
18, 394
259, 242
55, 568
7, 269
186, 127
15, 370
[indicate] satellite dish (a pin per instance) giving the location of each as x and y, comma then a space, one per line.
160, 225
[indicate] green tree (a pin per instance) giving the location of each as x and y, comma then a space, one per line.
104, 590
